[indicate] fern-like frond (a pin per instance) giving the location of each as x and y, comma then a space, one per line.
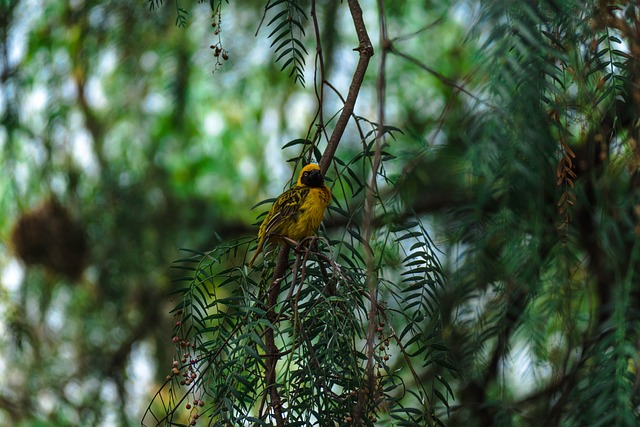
287, 34
154, 4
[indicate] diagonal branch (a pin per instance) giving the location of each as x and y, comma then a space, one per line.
365, 49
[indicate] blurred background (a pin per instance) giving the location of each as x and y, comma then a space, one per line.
131, 129
123, 138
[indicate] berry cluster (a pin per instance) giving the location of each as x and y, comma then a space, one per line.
194, 414
218, 50
189, 375
185, 367
384, 347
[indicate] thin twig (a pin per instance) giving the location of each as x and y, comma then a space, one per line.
367, 393
318, 119
421, 30
355, 118
264, 15
444, 79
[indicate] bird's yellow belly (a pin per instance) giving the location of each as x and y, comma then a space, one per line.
310, 215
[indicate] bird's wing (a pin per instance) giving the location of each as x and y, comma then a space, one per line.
284, 209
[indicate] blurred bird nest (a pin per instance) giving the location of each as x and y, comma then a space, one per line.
49, 236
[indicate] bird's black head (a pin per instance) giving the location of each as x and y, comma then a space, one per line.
311, 176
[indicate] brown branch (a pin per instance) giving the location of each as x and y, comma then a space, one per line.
273, 353
366, 52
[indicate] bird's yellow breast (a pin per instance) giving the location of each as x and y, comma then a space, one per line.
309, 215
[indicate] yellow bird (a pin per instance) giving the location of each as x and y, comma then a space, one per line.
296, 213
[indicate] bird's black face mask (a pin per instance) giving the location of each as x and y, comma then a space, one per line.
313, 178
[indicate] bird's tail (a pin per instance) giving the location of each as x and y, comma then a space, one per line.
255, 255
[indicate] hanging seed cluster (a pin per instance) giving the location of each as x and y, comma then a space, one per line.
220, 54
185, 369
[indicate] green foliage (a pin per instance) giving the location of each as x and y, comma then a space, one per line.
287, 34
533, 267
319, 326
497, 240
181, 16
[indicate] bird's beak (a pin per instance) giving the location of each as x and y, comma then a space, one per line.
316, 175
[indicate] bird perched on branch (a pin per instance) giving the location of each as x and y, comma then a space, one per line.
296, 213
